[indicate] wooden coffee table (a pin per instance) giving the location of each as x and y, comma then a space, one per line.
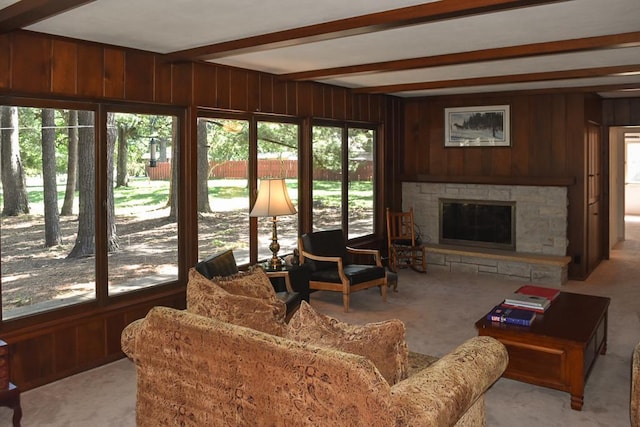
560, 347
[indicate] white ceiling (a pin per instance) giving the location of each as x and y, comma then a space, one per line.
169, 26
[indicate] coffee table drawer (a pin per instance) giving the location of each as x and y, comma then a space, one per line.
536, 364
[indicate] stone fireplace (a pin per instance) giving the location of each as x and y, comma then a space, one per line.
537, 252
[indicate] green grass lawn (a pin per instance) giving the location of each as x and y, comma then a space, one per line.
142, 193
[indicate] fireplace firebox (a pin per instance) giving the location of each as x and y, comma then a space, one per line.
478, 223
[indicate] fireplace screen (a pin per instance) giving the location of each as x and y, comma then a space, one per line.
478, 223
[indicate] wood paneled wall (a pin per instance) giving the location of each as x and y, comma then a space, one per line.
621, 112
547, 148
542, 128
38, 66
33, 64
76, 340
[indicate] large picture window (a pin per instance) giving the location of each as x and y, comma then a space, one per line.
360, 192
234, 154
142, 234
344, 179
223, 187
47, 192
278, 158
89, 205
327, 177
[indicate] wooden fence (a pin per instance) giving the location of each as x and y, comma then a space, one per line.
238, 169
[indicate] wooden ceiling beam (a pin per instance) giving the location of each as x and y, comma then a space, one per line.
364, 24
631, 88
26, 12
510, 52
497, 80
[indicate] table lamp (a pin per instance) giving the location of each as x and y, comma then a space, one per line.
273, 200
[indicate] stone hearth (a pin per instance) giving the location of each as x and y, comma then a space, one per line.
541, 230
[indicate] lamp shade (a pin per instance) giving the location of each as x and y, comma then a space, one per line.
273, 199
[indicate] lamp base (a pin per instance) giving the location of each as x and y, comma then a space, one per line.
274, 263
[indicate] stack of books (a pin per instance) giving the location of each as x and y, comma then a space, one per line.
512, 316
521, 307
529, 297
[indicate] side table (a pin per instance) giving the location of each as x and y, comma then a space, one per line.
10, 397
295, 278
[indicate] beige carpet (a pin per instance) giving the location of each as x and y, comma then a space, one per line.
439, 310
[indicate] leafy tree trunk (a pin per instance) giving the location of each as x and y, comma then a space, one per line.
72, 165
85, 241
173, 193
51, 218
203, 168
15, 197
112, 235
122, 177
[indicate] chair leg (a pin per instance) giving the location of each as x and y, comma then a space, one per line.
393, 261
392, 280
345, 302
419, 263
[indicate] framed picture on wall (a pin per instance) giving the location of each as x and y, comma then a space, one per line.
483, 126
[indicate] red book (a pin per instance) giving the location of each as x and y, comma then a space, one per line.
539, 291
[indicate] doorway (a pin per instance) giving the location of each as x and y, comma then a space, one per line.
624, 181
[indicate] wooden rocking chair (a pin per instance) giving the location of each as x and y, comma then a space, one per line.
405, 249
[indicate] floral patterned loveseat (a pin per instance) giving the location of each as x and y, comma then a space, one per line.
195, 370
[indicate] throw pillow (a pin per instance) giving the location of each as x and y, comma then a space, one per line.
253, 283
206, 298
382, 342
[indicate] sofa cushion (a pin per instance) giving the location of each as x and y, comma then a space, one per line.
382, 342
206, 298
253, 283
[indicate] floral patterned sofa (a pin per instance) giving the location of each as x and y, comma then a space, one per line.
201, 370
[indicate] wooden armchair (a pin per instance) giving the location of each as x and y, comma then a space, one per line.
328, 260
404, 248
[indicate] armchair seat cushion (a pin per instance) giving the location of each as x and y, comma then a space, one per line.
356, 273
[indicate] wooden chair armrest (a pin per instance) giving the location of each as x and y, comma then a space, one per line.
313, 257
284, 275
374, 252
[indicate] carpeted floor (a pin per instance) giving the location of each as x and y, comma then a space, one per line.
439, 310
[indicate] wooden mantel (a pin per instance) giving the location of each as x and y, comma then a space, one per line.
551, 181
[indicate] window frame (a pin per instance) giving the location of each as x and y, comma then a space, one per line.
345, 126
253, 119
102, 297
187, 221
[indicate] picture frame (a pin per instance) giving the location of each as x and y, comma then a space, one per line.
478, 126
